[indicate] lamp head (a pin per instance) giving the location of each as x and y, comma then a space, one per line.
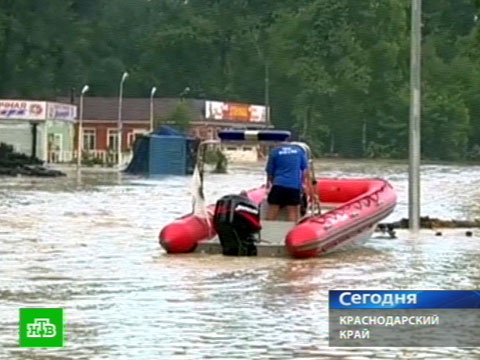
85, 89
185, 91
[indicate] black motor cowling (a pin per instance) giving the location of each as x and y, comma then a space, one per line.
237, 223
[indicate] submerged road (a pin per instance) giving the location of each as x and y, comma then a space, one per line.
89, 244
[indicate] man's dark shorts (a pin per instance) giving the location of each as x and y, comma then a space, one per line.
284, 196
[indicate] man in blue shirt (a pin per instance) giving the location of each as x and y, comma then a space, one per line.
286, 171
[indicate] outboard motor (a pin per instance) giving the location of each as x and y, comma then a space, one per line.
237, 223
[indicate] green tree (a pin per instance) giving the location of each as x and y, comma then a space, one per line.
180, 117
38, 48
338, 71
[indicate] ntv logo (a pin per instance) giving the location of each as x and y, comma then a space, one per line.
41, 328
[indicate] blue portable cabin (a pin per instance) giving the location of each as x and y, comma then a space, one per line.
164, 151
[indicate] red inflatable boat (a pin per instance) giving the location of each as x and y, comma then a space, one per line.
351, 208
342, 211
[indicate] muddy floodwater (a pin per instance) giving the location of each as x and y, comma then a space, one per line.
89, 244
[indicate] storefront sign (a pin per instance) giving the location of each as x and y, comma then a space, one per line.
20, 109
59, 111
223, 111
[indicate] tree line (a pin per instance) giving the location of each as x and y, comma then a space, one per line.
338, 70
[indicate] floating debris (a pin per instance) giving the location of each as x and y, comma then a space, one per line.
429, 223
13, 164
432, 223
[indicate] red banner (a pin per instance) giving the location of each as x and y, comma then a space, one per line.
217, 110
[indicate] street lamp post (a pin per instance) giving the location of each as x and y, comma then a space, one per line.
415, 114
80, 128
152, 94
120, 124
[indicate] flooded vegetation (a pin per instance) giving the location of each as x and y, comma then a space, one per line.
88, 243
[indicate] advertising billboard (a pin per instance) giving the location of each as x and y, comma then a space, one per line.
22, 109
227, 111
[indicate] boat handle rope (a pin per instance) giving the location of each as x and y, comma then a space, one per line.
367, 202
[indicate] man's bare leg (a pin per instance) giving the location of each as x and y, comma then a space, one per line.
272, 211
293, 213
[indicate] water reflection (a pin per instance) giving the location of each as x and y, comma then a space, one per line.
88, 243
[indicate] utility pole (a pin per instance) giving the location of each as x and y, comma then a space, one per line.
364, 138
415, 114
267, 95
